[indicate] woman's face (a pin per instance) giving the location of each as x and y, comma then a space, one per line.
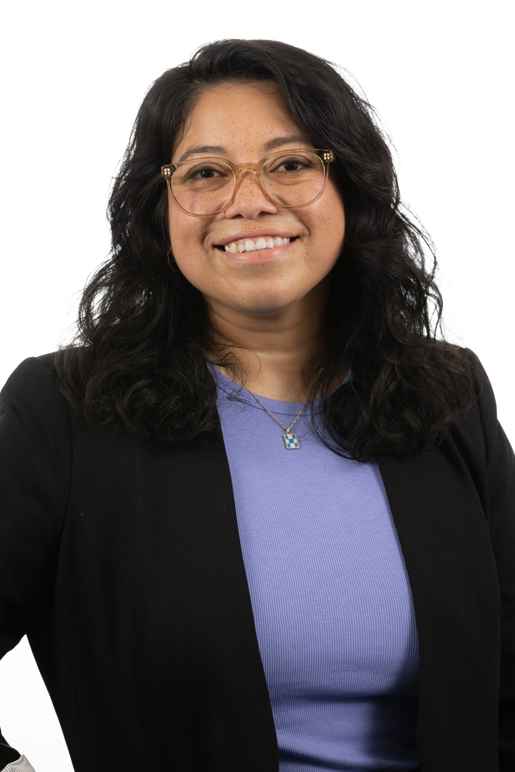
242, 118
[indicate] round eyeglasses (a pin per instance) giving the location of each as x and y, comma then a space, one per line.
205, 185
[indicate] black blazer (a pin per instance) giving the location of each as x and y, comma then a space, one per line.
121, 562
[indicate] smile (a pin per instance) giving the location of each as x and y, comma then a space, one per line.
264, 254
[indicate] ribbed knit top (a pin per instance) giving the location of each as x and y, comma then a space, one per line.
330, 593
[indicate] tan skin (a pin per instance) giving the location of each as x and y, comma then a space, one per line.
270, 311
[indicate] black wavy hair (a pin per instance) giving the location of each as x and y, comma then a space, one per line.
138, 361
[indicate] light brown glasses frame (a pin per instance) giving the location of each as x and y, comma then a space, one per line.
325, 155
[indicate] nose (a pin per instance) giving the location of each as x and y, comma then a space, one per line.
248, 197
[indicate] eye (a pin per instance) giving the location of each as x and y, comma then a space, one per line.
194, 174
291, 165
292, 162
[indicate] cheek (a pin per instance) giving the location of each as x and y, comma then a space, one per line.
329, 227
185, 235
334, 220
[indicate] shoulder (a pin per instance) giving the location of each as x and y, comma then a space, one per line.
31, 375
36, 447
479, 438
485, 406
34, 379
31, 398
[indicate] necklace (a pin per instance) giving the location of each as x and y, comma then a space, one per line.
290, 440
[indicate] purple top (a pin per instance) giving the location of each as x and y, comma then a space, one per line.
330, 594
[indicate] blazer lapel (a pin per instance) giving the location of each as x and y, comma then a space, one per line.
444, 535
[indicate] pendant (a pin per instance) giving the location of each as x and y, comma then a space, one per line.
291, 441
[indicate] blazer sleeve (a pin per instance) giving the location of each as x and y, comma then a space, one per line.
34, 482
500, 476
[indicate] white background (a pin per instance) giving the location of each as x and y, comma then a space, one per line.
440, 77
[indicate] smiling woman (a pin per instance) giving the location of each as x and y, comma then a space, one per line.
210, 578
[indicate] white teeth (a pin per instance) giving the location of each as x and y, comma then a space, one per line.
247, 245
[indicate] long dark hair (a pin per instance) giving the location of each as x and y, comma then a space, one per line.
138, 359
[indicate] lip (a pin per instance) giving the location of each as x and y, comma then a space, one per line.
260, 255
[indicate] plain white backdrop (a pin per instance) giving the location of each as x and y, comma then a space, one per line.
440, 78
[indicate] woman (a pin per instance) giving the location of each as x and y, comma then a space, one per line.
198, 596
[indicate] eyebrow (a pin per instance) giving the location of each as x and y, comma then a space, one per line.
276, 142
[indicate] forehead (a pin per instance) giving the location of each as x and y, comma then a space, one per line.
238, 115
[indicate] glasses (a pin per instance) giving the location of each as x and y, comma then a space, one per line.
206, 185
